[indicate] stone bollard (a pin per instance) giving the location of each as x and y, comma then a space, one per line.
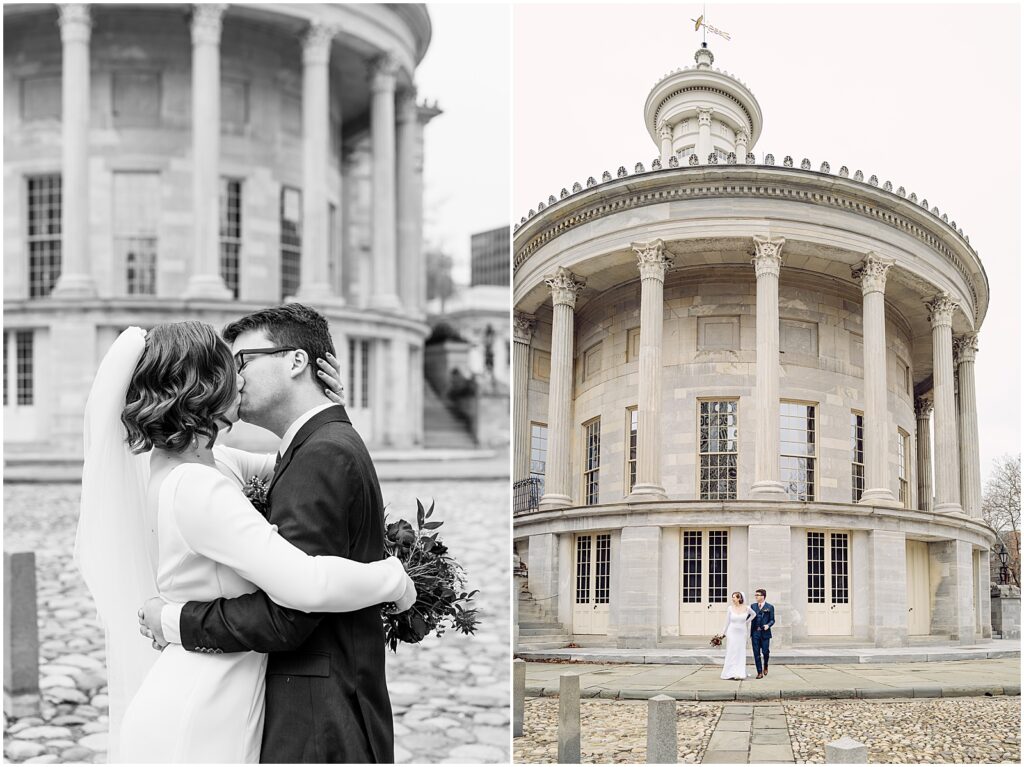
518, 696
846, 751
662, 747
569, 719
21, 635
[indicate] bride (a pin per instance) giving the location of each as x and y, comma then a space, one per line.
737, 632
163, 512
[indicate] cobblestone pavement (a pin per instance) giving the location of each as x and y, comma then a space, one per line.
926, 731
450, 696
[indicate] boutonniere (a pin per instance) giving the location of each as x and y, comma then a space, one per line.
256, 491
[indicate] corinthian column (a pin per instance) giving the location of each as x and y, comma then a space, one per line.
871, 274
704, 134
565, 286
382, 126
742, 139
410, 200
75, 279
767, 263
316, 121
923, 411
966, 347
522, 327
206, 280
666, 143
947, 464
653, 261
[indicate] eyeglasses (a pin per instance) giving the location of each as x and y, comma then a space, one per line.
242, 354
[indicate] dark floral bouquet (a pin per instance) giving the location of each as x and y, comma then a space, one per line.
256, 491
716, 640
441, 599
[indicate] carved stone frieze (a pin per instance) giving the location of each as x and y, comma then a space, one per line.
565, 287
767, 258
652, 259
940, 310
871, 273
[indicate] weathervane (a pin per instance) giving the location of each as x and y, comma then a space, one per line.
699, 22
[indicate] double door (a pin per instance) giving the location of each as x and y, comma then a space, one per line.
828, 584
703, 585
592, 583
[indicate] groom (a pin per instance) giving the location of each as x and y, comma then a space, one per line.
761, 631
326, 693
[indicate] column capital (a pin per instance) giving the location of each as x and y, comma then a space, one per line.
704, 116
206, 23
407, 110
923, 406
565, 286
870, 273
522, 327
652, 259
665, 131
940, 310
383, 72
316, 43
742, 135
767, 258
75, 22
965, 347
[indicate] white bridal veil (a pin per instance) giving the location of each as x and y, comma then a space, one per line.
116, 545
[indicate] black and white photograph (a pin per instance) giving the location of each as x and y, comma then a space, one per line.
256, 383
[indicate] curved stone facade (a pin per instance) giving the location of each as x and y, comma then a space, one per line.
729, 367
175, 161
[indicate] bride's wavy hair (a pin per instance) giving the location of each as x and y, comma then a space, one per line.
182, 388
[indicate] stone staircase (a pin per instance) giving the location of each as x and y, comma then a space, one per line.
441, 427
538, 630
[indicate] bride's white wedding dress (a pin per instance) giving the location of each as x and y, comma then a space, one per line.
206, 706
737, 633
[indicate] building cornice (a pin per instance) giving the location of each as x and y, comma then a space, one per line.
757, 181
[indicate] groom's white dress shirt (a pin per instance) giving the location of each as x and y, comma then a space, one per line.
170, 618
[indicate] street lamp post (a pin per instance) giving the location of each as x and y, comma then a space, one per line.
1004, 573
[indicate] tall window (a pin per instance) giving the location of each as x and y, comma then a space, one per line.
358, 394
632, 419
592, 462
602, 575
719, 446
904, 451
44, 200
538, 452
136, 216
24, 373
816, 568
798, 451
230, 232
291, 240
857, 454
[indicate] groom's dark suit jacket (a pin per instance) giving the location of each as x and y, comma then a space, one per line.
327, 698
763, 619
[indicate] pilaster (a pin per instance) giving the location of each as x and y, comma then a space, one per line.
382, 128
410, 201
888, 557
965, 348
639, 587
522, 333
923, 412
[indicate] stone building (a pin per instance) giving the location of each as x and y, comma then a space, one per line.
729, 373
489, 257
172, 161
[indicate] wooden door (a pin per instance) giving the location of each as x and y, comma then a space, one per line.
593, 583
919, 617
828, 584
703, 586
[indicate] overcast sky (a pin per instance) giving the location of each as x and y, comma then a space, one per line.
927, 96
467, 70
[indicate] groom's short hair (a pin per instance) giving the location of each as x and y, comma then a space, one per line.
290, 325
761, 592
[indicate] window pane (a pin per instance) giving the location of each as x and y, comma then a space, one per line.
25, 374
230, 232
44, 234
718, 441
291, 240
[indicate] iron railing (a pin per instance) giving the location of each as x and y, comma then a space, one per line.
526, 495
